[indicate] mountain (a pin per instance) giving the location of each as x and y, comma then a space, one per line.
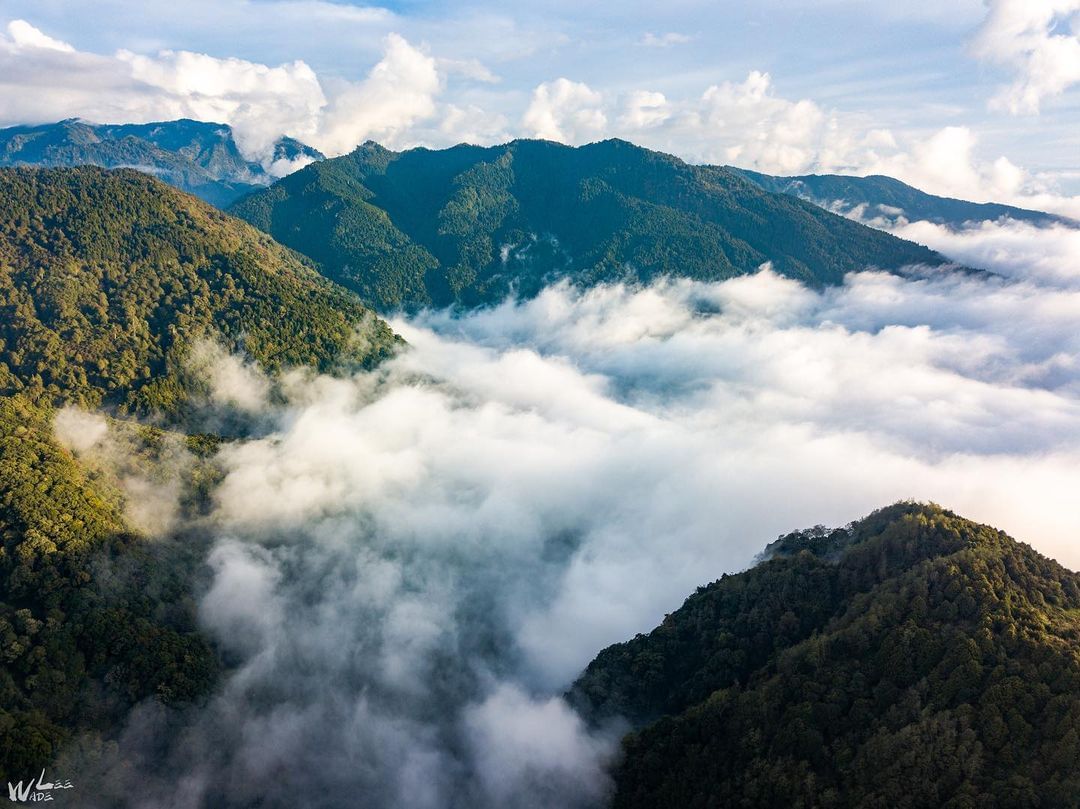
913, 658
107, 278
471, 225
201, 158
884, 199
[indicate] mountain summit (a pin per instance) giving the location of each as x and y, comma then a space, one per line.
471, 225
913, 658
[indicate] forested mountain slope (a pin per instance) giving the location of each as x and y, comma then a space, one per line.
912, 659
108, 277
107, 280
199, 157
471, 225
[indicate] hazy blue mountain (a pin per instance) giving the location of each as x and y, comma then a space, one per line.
913, 658
198, 157
470, 225
886, 199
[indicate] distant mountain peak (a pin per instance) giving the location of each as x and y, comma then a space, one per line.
878, 198
201, 157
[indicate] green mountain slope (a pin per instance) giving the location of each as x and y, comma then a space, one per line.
107, 279
471, 225
93, 619
889, 199
198, 157
912, 659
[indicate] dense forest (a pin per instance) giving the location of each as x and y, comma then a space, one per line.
93, 619
195, 156
911, 659
107, 279
471, 225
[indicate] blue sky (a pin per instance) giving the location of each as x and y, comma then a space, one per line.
918, 90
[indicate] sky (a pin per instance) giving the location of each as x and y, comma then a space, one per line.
960, 97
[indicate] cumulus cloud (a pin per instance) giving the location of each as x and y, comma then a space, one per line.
643, 109
399, 91
403, 101
748, 124
565, 111
44, 80
1039, 40
25, 36
783, 134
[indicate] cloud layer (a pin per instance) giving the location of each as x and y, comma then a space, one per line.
412, 564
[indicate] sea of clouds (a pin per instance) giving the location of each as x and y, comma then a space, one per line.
409, 566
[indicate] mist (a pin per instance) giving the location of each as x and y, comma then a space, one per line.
410, 565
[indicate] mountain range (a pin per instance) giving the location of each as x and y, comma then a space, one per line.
912, 658
885, 200
471, 225
198, 157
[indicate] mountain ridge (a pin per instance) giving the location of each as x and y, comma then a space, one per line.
470, 225
912, 658
196, 156
108, 281
880, 198
107, 277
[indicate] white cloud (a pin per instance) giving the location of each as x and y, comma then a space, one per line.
770, 131
261, 103
400, 103
469, 68
643, 109
1039, 40
522, 742
24, 35
565, 111
42, 80
399, 91
1013, 249
150, 483
472, 124
651, 40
